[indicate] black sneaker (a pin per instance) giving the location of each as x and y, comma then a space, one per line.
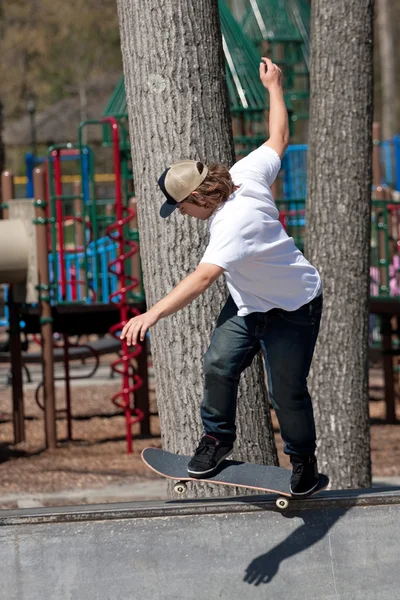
209, 454
305, 476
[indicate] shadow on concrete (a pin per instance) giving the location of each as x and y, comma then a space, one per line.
318, 515
264, 568
316, 524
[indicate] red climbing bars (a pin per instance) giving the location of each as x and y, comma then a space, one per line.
126, 249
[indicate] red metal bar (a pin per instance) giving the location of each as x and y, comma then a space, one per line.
73, 282
59, 219
70, 151
130, 381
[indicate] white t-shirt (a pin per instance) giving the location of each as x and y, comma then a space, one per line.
263, 267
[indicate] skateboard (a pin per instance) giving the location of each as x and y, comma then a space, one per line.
274, 480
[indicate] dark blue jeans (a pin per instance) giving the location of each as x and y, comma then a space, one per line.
287, 340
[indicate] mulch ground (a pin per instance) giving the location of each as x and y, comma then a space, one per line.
97, 456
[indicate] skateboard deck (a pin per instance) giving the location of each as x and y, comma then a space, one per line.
266, 478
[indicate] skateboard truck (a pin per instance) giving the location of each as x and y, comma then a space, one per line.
180, 488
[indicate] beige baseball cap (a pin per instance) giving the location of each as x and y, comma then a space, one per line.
178, 182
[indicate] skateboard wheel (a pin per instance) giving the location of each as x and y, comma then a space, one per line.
282, 503
180, 488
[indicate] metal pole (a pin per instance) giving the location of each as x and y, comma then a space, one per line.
67, 387
142, 393
16, 369
46, 320
122, 284
387, 348
379, 193
7, 190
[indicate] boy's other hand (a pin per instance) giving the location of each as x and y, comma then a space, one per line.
136, 328
270, 73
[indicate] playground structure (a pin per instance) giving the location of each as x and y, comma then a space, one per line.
92, 275
82, 275
84, 271
280, 29
84, 245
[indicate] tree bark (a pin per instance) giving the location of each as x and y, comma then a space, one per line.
338, 231
388, 75
178, 108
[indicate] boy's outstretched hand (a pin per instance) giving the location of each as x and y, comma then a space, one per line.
137, 327
187, 290
270, 73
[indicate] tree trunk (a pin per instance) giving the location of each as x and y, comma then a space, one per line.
2, 153
388, 76
83, 109
338, 231
178, 108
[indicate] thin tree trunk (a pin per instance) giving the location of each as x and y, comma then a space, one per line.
388, 75
338, 231
83, 106
178, 107
2, 152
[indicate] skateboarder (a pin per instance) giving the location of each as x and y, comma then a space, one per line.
275, 299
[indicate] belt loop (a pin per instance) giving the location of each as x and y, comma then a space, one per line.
310, 309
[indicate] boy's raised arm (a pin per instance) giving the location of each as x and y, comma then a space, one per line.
271, 78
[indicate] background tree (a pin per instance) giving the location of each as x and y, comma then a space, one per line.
178, 107
22, 44
42, 40
53, 48
338, 230
2, 151
81, 48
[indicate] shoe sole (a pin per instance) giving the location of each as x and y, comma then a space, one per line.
199, 474
307, 493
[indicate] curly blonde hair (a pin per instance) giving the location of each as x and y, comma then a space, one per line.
216, 187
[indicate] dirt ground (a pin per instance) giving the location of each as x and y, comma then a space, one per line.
97, 456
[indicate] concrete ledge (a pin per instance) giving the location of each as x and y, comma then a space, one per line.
343, 499
341, 545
